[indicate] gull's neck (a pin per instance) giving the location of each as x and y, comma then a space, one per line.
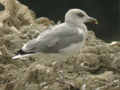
82, 26
75, 24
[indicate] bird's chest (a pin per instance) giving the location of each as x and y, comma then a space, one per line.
81, 35
81, 32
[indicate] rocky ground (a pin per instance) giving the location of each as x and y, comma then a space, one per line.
96, 67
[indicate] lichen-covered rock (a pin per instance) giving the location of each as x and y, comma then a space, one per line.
44, 21
16, 14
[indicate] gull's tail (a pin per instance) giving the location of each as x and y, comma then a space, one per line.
21, 54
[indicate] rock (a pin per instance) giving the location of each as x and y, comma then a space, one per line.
44, 21
16, 14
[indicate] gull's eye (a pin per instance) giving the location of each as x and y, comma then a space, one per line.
80, 14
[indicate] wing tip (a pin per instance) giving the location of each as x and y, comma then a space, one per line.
20, 56
17, 56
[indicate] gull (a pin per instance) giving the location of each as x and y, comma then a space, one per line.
65, 38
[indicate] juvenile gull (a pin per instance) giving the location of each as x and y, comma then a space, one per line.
67, 37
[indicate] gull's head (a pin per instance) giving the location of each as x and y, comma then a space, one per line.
78, 16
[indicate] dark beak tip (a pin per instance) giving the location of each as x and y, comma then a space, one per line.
94, 21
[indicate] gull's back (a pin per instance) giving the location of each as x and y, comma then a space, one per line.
59, 39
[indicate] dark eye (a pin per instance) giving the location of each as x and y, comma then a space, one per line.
80, 15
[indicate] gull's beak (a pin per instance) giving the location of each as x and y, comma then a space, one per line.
92, 20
